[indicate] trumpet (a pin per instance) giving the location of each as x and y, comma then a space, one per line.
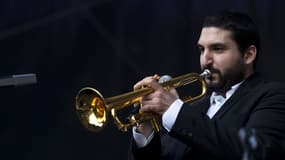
93, 109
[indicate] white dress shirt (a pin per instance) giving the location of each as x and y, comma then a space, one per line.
169, 117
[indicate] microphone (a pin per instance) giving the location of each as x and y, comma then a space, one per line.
249, 144
18, 80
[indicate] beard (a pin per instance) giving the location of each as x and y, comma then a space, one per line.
221, 82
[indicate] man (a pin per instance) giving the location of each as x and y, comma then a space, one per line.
238, 98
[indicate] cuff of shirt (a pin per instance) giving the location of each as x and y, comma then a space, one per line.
140, 139
169, 117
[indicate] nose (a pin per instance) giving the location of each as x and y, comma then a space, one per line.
206, 58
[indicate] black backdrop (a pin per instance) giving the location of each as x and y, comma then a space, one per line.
108, 45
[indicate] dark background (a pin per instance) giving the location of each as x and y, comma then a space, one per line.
108, 45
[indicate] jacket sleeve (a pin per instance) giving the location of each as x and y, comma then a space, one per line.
151, 151
162, 147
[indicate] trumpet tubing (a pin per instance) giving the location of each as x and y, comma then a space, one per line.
92, 108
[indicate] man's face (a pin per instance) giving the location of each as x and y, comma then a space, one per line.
220, 54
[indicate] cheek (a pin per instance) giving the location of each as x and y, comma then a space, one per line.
229, 64
224, 61
202, 62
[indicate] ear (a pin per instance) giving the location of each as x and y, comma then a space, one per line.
250, 54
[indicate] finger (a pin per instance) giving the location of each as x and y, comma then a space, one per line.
154, 83
152, 101
151, 108
155, 77
142, 83
148, 81
147, 107
173, 91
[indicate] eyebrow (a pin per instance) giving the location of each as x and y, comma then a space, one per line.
217, 44
212, 44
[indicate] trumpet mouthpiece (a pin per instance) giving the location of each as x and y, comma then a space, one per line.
206, 73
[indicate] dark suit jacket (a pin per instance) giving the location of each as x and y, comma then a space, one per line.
257, 104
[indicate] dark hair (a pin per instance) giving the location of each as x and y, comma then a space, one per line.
243, 29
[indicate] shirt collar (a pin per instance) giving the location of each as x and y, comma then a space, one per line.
229, 93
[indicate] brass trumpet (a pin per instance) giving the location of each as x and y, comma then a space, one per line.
92, 108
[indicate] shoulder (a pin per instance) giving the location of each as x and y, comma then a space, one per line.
262, 88
259, 82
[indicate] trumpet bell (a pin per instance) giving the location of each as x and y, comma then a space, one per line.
91, 109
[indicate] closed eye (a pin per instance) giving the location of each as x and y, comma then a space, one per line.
218, 48
201, 49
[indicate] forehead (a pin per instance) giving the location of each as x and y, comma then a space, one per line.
214, 35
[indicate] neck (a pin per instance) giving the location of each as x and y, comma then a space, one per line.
229, 85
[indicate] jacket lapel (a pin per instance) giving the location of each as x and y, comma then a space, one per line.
240, 92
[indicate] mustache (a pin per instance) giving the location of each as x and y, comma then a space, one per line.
212, 69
